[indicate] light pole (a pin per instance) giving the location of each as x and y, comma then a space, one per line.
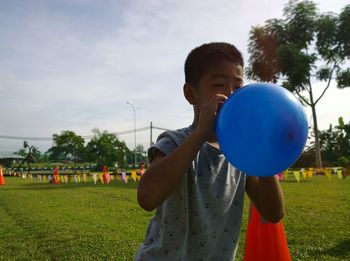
134, 110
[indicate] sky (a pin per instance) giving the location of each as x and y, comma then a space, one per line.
74, 64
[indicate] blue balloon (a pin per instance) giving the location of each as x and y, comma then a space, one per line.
262, 129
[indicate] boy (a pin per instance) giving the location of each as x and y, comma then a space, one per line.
197, 193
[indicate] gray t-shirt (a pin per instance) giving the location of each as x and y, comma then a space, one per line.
201, 219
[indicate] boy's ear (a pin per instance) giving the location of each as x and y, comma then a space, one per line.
189, 93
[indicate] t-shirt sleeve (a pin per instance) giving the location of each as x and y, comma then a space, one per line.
164, 144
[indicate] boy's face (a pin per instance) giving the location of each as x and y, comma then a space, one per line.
224, 77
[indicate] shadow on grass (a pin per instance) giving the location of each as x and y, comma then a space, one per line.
47, 186
295, 181
341, 250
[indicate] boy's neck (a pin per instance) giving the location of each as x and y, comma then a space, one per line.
212, 140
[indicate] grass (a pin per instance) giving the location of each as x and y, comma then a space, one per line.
104, 222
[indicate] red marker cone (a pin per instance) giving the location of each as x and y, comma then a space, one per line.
56, 179
106, 176
265, 241
2, 178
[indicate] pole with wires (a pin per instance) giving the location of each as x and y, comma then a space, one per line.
134, 110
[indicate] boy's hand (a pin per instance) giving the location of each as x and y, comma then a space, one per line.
208, 114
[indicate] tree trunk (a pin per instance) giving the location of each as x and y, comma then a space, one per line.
317, 140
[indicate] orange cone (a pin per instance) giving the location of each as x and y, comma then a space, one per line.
265, 240
56, 179
2, 178
106, 176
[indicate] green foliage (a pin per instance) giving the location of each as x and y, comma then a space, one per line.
106, 149
284, 47
67, 147
335, 143
343, 161
103, 149
21, 152
323, 73
300, 23
44, 157
296, 64
141, 153
343, 78
335, 147
344, 31
327, 43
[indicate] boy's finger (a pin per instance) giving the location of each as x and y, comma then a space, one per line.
218, 98
219, 105
221, 97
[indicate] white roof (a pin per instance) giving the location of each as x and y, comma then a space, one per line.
9, 155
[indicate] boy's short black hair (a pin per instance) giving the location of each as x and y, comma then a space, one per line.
200, 58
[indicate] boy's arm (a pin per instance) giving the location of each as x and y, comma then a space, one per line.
166, 171
267, 196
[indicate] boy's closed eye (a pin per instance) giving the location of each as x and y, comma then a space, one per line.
221, 85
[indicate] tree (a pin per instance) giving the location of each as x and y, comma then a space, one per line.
44, 157
141, 153
67, 147
21, 152
302, 48
335, 143
106, 149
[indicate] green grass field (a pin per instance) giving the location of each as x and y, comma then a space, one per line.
104, 222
